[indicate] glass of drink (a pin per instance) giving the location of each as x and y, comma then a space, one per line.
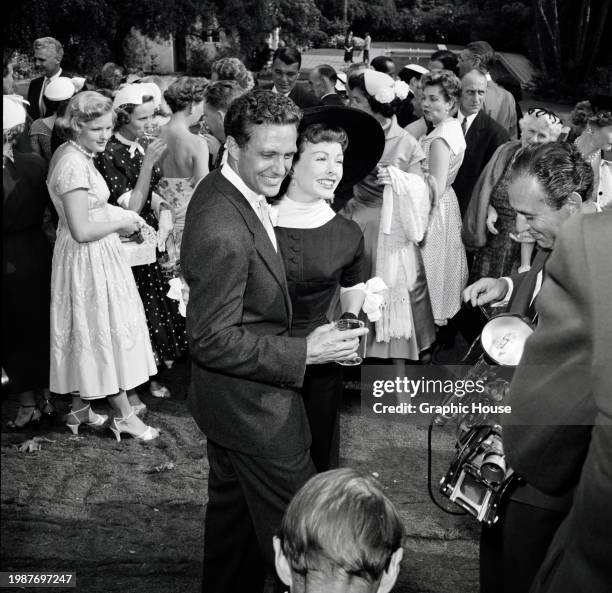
346, 324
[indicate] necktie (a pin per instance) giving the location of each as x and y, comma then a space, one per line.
41, 102
264, 215
464, 125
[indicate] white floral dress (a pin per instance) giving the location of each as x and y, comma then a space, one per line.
99, 338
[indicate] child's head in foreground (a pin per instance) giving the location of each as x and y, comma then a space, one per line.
340, 533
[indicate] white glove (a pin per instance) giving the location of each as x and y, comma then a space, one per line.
164, 229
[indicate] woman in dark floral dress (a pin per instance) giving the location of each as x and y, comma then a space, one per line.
131, 173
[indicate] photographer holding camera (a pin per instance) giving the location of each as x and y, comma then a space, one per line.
547, 185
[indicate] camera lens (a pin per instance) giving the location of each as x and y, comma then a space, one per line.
493, 468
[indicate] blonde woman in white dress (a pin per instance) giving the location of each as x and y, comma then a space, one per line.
100, 343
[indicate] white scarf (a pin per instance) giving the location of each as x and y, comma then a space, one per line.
290, 214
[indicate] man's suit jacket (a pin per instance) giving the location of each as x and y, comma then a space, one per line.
565, 376
332, 99
482, 139
501, 106
34, 95
246, 368
302, 97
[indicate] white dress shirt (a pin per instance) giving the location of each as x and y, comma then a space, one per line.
256, 201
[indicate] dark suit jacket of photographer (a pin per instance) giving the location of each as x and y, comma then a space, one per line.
573, 342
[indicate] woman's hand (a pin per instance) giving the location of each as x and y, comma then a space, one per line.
154, 152
382, 175
491, 220
129, 227
164, 229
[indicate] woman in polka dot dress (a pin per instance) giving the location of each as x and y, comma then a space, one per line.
131, 174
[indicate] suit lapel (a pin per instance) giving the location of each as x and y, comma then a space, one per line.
262, 242
475, 129
521, 301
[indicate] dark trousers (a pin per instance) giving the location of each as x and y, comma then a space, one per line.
512, 550
247, 497
322, 392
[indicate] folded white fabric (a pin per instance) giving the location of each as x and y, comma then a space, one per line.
176, 292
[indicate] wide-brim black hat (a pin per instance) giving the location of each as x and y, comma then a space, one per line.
366, 139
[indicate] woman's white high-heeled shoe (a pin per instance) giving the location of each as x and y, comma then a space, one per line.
94, 420
148, 434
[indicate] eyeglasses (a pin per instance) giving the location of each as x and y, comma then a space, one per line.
538, 111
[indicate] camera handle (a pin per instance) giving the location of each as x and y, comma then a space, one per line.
429, 488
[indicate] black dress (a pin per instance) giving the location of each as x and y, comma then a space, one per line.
317, 261
26, 274
120, 170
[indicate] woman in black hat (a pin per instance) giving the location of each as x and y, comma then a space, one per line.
323, 251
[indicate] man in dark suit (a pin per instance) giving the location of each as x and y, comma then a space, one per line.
286, 64
48, 54
323, 80
482, 135
247, 369
565, 378
499, 103
512, 550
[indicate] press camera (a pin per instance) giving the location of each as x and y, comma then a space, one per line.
478, 476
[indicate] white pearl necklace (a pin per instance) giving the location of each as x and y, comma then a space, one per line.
86, 152
592, 157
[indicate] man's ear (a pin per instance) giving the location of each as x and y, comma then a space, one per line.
573, 203
390, 575
281, 563
232, 148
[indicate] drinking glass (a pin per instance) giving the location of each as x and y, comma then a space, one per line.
346, 324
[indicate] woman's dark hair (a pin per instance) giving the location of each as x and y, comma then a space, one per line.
185, 91
560, 169
54, 107
124, 112
111, 76
56, 136
315, 133
357, 81
448, 60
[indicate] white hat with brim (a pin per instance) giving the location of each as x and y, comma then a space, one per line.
133, 94
60, 89
418, 69
13, 111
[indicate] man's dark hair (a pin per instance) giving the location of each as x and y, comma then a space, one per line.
258, 107
288, 55
327, 72
447, 58
560, 169
483, 51
379, 63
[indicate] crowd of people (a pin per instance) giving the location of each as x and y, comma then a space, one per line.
389, 197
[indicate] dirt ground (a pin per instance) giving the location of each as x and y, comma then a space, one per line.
104, 510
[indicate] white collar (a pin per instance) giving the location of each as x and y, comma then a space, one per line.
469, 118
133, 145
288, 213
56, 75
275, 90
328, 94
252, 197
488, 77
